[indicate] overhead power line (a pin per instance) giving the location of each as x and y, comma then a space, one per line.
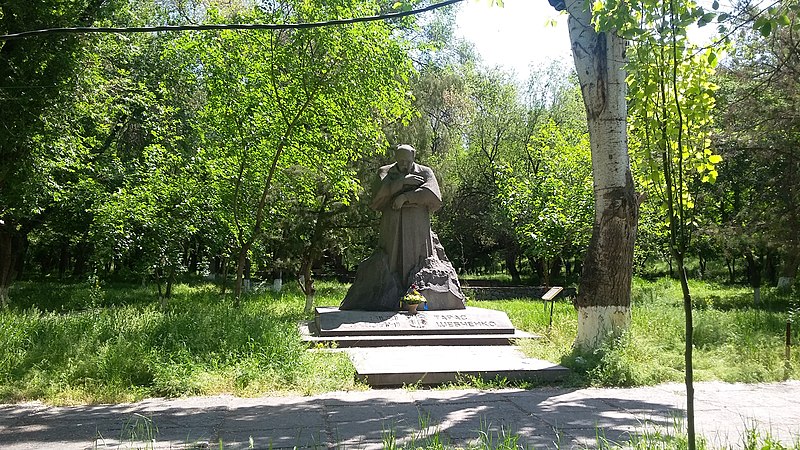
229, 26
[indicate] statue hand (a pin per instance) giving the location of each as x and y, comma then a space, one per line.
399, 201
413, 180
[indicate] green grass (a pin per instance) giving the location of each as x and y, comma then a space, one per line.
122, 346
82, 343
734, 340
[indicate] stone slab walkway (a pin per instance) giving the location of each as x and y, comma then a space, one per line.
543, 418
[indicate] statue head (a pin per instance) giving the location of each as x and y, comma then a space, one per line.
404, 155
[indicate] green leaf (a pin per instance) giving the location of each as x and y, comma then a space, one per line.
706, 19
715, 5
766, 28
712, 58
715, 159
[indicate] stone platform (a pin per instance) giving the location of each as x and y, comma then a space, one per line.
431, 347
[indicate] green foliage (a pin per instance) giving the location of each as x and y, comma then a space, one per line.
166, 145
551, 208
291, 110
520, 185
671, 98
757, 190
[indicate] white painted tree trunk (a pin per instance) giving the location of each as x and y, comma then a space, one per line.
309, 303
604, 294
598, 323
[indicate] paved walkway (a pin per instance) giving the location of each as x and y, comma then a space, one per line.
541, 418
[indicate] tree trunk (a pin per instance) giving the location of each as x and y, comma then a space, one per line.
702, 262
555, 268
240, 263
544, 264
604, 294
539, 267
688, 353
63, 260
771, 267
224, 263
306, 283
194, 255
511, 265
792, 263
789, 269
11, 251
731, 264
754, 266
82, 250
213, 267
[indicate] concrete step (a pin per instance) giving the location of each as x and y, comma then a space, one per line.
398, 366
311, 335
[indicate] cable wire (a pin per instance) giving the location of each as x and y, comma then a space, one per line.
229, 26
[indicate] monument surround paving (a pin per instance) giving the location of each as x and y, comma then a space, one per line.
546, 417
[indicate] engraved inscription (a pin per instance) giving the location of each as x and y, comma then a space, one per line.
424, 322
466, 324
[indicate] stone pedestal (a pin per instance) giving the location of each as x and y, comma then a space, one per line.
430, 347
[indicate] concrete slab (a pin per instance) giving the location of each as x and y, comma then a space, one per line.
397, 366
330, 321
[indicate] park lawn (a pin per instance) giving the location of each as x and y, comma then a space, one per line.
77, 343
734, 341
116, 344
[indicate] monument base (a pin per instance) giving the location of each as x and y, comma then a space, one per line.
331, 321
431, 347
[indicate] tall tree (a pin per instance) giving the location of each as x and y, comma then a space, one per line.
760, 140
37, 87
312, 98
672, 101
549, 202
604, 294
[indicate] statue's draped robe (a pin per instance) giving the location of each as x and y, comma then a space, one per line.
409, 252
